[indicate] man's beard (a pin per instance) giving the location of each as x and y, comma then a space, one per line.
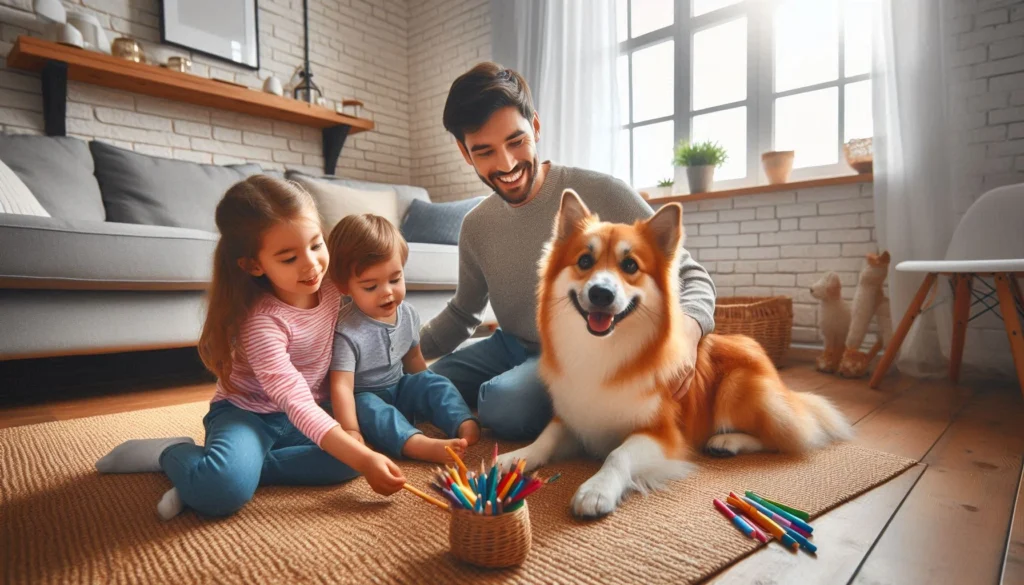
521, 193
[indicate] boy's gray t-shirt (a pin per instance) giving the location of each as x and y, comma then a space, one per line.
371, 349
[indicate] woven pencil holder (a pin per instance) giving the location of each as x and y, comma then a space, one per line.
490, 541
769, 320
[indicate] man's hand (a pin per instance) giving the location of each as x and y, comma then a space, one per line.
383, 475
357, 436
691, 337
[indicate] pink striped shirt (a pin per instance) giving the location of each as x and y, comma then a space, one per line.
282, 365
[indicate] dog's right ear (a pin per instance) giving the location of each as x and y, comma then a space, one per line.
571, 214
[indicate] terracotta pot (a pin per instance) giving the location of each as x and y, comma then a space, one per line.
700, 178
777, 165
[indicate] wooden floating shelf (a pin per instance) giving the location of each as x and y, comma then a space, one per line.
760, 189
58, 63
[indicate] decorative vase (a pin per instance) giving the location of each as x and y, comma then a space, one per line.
777, 165
273, 85
700, 178
92, 31
128, 49
179, 63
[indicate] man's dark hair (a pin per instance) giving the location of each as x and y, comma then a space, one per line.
480, 92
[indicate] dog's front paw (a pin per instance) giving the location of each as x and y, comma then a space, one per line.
508, 460
729, 444
597, 497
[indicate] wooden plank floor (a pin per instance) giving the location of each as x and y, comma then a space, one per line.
957, 517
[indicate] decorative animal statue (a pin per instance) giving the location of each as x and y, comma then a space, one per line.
833, 320
869, 301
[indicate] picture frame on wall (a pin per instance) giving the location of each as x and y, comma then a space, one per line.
224, 29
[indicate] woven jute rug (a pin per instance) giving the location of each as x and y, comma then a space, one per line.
60, 521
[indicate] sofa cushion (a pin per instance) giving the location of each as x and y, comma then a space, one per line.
57, 253
59, 172
406, 194
336, 201
15, 196
437, 223
142, 189
433, 265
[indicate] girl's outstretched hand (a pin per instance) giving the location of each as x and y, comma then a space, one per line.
383, 475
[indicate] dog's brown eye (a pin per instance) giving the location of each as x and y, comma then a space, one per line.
586, 262
629, 266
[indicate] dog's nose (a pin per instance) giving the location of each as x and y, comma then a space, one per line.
601, 296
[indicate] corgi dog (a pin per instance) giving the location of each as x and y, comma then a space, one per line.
611, 327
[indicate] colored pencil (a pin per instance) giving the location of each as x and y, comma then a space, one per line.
511, 478
738, 521
456, 503
526, 491
783, 522
798, 513
427, 497
553, 478
458, 461
796, 522
764, 522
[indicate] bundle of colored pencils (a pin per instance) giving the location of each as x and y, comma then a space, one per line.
752, 513
489, 492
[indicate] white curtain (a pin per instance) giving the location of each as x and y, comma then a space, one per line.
566, 50
914, 187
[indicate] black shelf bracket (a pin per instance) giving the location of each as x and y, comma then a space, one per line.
54, 77
333, 141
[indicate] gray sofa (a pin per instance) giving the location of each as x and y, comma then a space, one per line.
123, 262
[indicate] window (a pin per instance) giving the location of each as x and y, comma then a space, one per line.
753, 75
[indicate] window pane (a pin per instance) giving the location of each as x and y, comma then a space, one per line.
857, 119
650, 15
720, 65
624, 89
809, 124
705, 6
653, 81
621, 24
857, 36
622, 156
806, 43
729, 129
652, 153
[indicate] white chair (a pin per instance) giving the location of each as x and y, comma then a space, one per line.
988, 242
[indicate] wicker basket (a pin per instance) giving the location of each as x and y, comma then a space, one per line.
769, 320
490, 541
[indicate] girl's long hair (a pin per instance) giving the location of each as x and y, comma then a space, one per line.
247, 210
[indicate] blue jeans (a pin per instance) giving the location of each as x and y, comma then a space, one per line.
386, 415
499, 376
244, 450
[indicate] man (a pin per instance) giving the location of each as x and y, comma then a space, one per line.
490, 113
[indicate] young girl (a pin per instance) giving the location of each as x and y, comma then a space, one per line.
377, 338
267, 337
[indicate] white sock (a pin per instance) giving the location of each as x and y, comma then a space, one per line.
138, 455
170, 505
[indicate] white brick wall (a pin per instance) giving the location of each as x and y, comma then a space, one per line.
987, 59
827, 228
358, 49
446, 38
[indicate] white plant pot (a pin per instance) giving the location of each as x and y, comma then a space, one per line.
700, 178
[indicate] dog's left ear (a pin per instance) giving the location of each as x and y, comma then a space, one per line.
571, 213
666, 228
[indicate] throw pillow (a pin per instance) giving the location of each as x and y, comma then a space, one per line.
337, 201
151, 190
437, 223
15, 196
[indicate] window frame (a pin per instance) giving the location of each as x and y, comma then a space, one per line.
761, 94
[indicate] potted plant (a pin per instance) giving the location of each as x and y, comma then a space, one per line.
664, 189
700, 160
777, 165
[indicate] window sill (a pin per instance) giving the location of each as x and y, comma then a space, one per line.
793, 186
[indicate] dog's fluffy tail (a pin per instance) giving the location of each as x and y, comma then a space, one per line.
823, 423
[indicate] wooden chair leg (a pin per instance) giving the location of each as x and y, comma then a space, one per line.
901, 332
961, 314
1012, 323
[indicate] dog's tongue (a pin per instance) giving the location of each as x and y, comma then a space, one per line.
599, 322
